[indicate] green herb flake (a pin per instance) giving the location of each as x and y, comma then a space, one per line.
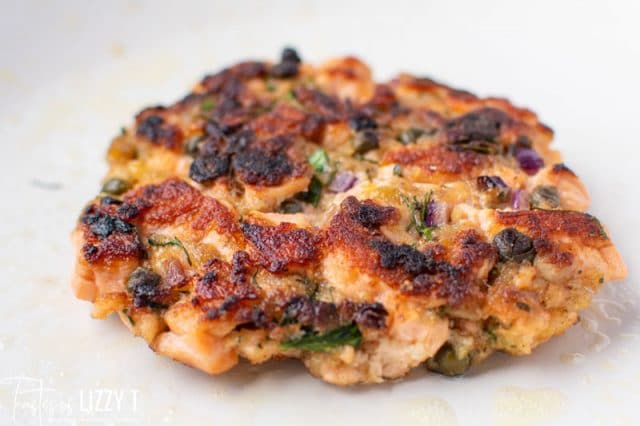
602, 233
290, 96
271, 86
397, 170
322, 342
311, 287
207, 105
319, 160
173, 242
418, 211
126, 312
123, 131
313, 193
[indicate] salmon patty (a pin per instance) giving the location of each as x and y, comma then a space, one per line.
287, 210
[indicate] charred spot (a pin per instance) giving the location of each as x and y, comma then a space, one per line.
257, 167
158, 131
110, 201
484, 124
285, 69
240, 141
231, 115
367, 213
392, 255
150, 127
89, 251
144, 286
252, 318
239, 72
320, 315
291, 55
288, 65
114, 248
445, 281
208, 167
128, 211
207, 287
371, 215
371, 315
102, 225
298, 309
311, 313
213, 130
328, 107
227, 305
240, 267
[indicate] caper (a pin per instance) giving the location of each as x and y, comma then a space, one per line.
411, 135
545, 197
191, 146
116, 186
447, 362
143, 284
365, 141
291, 206
514, 245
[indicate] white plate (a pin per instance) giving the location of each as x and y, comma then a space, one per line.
71, 72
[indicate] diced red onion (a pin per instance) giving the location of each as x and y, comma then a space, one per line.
436, 214
342, 182
486, 183
520, 200
529, 160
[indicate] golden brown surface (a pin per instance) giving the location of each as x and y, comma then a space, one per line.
288, 210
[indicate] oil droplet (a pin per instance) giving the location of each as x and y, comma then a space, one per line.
430, 411
515, 406
600, 340
570, 358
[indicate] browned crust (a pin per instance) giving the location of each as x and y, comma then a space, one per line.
437, 161
279, 247
553, 224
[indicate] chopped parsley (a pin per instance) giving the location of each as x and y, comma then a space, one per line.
313, 193
207, 105
172, 242
322, 342
319, 160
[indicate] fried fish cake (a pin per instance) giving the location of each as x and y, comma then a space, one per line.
300, 211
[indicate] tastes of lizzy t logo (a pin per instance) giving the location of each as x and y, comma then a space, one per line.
31, 401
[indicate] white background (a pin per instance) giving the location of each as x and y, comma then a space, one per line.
72, 72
